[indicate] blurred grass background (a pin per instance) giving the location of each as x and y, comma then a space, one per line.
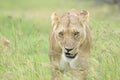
24, 33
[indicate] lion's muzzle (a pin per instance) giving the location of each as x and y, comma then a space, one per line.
71, 56
69, 49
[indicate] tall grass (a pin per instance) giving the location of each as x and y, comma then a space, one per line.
27, 27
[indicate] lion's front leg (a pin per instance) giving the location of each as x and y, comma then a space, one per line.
76, 75
56, 74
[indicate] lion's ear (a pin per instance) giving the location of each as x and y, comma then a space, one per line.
84, 15
54, 18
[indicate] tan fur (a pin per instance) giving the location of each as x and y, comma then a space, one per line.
70, 30
4, 43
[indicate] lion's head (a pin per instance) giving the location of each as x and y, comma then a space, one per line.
69, 31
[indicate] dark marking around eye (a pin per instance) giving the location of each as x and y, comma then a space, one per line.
76, 33
61, 34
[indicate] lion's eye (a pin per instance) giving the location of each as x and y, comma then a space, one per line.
61, 34
76, 34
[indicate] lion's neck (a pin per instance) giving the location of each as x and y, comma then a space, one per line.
67, 63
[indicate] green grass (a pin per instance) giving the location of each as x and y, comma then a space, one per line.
26, 24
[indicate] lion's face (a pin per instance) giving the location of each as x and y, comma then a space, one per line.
69, 33
70, 37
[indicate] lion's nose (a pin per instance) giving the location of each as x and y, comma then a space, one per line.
69, 49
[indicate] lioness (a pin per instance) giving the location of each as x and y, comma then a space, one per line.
70, 43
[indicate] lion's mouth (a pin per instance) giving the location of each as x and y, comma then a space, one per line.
69, 55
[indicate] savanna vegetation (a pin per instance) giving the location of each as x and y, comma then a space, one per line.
24, 34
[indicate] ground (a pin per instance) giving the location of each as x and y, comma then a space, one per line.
26, 24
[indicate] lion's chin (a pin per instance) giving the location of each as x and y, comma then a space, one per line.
71, 56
